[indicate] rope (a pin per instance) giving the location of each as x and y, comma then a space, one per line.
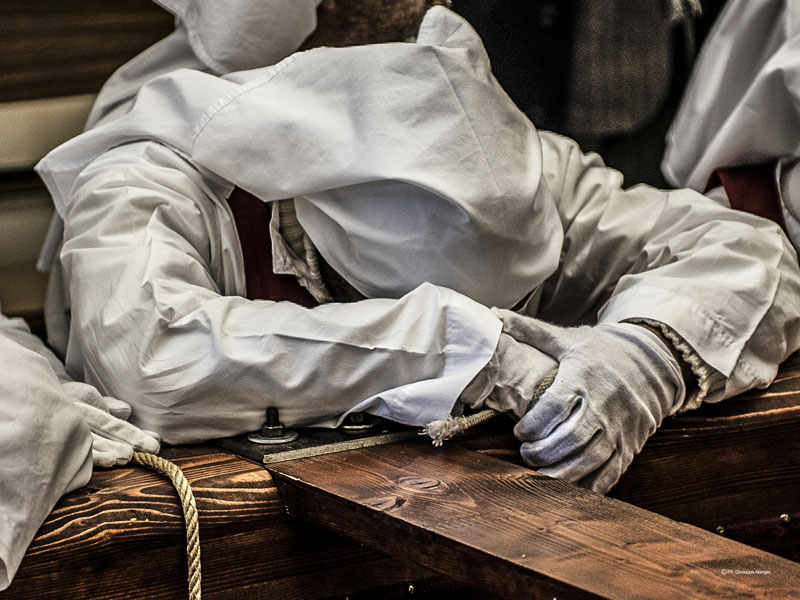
171, 470
441, 431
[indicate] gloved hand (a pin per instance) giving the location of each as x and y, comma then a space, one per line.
511, 382
113, 438
520, 374
615, 383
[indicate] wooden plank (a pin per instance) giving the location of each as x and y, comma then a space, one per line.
732, 464
122, 536
50, 48
32, 128
91, 547
742, 478
518, 534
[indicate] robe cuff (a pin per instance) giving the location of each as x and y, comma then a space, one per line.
478, 390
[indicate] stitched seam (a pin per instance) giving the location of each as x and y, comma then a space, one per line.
215, 108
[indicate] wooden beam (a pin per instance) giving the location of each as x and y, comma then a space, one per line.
732, 464
516, 533
735, 461
122, 537
57, 48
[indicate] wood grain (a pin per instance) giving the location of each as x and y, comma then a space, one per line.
518, 534
50, 48
122, 536
732, 464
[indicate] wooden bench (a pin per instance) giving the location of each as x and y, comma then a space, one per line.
732, 465
122, 536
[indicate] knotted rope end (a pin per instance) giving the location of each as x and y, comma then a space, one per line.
441, 431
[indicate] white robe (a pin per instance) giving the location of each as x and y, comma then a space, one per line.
45, 446
742, 103
155, 277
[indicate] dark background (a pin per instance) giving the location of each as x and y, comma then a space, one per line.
531, 43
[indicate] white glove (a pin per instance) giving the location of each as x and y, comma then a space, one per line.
615, 384
516, 376
113, 439
511, 382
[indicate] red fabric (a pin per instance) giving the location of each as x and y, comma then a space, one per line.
752, 188
252, 223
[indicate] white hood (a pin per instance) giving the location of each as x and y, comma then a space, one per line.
408, 161
742, 104
213, 36
233, 35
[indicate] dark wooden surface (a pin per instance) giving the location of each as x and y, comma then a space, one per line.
728, 463
732, 465
517, 534
122, 536
53, 48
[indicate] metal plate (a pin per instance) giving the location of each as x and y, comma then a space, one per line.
315, 442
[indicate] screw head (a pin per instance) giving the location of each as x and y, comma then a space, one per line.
785, 520
721, 530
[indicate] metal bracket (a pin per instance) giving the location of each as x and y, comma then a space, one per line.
315, 442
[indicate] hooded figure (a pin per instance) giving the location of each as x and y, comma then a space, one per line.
742, 105
214, 37
45, 444
51, 431
406, 171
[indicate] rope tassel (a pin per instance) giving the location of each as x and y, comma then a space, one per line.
441, 431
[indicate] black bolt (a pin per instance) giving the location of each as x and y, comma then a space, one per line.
355, 418
273, 419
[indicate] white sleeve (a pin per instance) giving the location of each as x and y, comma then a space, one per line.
44, 443
155, 322
725, 281
16, 330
